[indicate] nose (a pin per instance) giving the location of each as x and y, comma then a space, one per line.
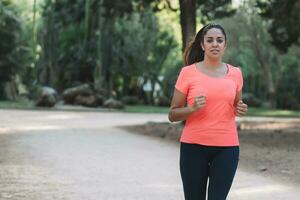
215, 43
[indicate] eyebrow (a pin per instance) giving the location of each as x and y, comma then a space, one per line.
213, 37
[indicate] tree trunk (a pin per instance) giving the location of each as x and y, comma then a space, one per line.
46, 75
34, 32
125, 84
86, 21
270, 83
98, 73
52, 57
107, 55
152, 91
187, 21
10, 90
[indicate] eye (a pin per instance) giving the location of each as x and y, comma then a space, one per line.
209, 40
220, 40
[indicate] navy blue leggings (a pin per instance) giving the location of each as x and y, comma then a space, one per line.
199, 163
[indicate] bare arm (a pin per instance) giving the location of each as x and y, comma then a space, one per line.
180, 113
238, 97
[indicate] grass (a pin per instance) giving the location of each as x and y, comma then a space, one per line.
261, 112
146, 109
266, 112
16, 105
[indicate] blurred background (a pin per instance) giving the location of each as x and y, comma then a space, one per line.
106, 55
127, 53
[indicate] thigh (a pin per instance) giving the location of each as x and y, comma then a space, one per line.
194, 171
221, 173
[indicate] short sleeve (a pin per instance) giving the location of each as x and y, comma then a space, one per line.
182, 82
239, 80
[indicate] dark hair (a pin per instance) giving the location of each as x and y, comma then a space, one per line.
194, 52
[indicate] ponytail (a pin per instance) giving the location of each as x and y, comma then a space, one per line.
193, 53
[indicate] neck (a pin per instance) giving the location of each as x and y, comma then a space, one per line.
212, 63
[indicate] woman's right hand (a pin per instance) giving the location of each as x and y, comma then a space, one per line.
199, 103
178, 110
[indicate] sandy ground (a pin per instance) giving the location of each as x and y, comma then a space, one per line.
269, 147
59, 155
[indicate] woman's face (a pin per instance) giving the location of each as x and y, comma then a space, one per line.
214, 44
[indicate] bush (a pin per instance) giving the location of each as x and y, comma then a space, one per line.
130, 100
251, 100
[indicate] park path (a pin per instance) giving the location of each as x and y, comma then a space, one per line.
59, 155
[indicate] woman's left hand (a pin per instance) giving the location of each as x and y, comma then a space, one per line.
241, 109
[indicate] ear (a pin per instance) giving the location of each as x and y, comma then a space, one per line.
202, 46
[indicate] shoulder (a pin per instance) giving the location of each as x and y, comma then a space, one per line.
234, 70
188, 69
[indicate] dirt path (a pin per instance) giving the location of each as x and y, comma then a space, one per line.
270, 147
82, 155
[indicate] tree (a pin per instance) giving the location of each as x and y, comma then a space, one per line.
107, 43
288, 89
47, 65
66, 38
249, 47
285, 18
209, 9
10, 29
139, 51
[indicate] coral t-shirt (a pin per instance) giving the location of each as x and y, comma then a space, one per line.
214, 124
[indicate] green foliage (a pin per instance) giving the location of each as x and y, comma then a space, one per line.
66, 54
249, 46
140, 49
211, 9
285, 16
75, 60
127, 7
123, 45
18, 56
130, 43
288, 94
10, 47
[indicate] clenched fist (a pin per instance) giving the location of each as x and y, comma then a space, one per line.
241, 109
199, 103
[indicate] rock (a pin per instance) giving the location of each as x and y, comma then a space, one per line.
112, 103
47, 97
89, 101
99, 99
262, 168
70, 94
